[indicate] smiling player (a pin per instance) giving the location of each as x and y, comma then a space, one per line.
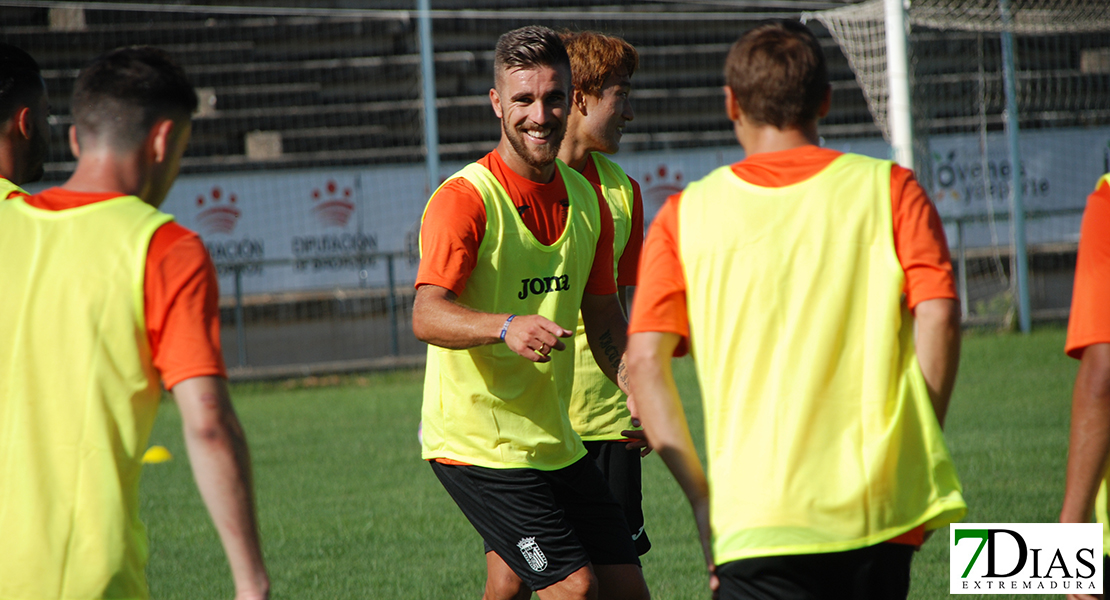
513, 246
602, 68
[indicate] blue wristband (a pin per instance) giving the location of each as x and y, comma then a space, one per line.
505, 327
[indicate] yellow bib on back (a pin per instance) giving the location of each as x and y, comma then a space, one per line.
78, 396
7, 187
597, 405
486, 406
819, 430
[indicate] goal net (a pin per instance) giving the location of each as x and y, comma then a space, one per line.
1062, 65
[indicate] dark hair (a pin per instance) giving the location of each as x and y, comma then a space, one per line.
595, 56
777, 72
20, 80
122, 93
528, 47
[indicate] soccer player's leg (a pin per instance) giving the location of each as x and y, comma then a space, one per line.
621, 469
501, 582
516, 513
600, 525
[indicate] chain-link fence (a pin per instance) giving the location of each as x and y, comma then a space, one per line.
306, 174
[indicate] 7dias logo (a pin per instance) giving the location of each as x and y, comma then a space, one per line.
1026, 558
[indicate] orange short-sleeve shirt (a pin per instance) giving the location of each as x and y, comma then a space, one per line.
455, 223
180, 292
1089, 322
919, 240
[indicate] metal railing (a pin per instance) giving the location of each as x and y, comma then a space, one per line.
961, 258
239, 267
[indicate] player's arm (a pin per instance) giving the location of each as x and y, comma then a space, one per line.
937, 342
1090, 434
660, 412
602, 316
922, 249
218, 453
451, 235
438, 319
607, 332
1090, 438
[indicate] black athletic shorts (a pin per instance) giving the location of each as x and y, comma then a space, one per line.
544, 524
878, 572
621, 468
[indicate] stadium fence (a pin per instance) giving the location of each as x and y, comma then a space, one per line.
307, 172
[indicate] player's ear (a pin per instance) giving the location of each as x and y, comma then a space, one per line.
495, 101
732, 105
25, 122
158, 140
578, 100
74, 147
826, 104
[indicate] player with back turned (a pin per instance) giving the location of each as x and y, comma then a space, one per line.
601, 68
797, 277
104, 298
513, 246
1089, 341
24, 132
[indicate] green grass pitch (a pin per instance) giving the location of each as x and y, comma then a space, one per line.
348, 509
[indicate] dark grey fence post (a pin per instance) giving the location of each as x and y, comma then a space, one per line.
394, 348
240, 335
961, 258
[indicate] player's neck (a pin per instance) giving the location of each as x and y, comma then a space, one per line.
574, 153
108, 172
9, 162
760, 138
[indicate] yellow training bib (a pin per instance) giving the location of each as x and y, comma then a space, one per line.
597, 406
819, 430
78, 396
486, 406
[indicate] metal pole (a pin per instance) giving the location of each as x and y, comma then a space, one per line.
898, 111
240, 334
428, 75
1017, 202
961, 257
393, 335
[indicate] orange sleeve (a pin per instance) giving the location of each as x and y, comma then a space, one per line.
919, 241
601, 281
629, 263
660, 300
1089, 322
452, 231
182, 305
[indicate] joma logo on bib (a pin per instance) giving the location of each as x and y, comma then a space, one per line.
543, 285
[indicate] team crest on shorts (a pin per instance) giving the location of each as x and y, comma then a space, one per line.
532, 554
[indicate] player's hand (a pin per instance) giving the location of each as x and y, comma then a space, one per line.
1085, 597
714, 581
534, 337
639, 439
